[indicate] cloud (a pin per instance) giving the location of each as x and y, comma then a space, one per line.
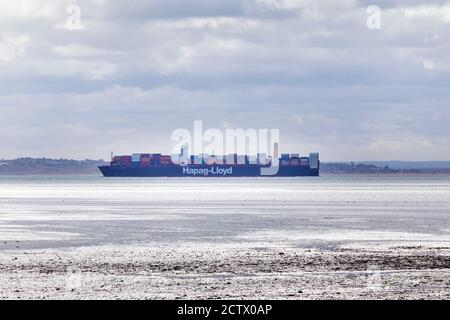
13, 47
137, 70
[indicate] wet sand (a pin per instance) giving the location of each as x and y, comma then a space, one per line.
127, 272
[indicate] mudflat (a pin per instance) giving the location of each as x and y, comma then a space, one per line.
127, 272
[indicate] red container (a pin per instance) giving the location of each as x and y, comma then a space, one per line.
122, 161
145, 162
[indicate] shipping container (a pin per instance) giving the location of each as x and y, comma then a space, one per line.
175, 158
136, 157
240, 159
184, 160
229, 159
198, 160
314, 160
262, 158
135, 164
210, 160
252, 160
304, 161
145, 162
204, 157
284, 162
295, 156
121, 161
213, 159
285, 156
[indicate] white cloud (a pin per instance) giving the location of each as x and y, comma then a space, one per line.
429, 11
74, 50
429, 65
66, 68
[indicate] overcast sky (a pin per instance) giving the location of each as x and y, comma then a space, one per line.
129, 72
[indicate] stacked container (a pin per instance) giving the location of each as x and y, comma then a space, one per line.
240, 159
262, 159
124, 161
304, 161
136, 157
210, 160
229, 159
156, 159
136, 160
165, 160
314, 160
295, 159
145, 160
197, 160
252, 160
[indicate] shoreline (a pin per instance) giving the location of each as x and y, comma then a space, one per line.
150, 272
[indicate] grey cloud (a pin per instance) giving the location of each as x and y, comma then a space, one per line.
141, 69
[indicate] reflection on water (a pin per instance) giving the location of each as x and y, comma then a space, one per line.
77, 211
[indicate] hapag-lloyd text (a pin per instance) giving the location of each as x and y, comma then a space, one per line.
218, 171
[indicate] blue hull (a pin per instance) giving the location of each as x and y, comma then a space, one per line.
205, 171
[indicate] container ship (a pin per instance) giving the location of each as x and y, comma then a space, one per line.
234, 165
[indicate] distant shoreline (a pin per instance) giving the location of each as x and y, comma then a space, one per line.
68, 167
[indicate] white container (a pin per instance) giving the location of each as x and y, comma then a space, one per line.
240, 159
198, 160
252, 160
136, 157
314, 160
262, 159
229, 159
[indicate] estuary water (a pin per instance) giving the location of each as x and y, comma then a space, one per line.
327, 211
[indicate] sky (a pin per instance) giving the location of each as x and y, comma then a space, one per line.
79, 79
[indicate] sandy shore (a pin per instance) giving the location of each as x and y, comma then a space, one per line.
121, 272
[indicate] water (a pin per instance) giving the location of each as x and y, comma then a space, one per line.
52, 212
